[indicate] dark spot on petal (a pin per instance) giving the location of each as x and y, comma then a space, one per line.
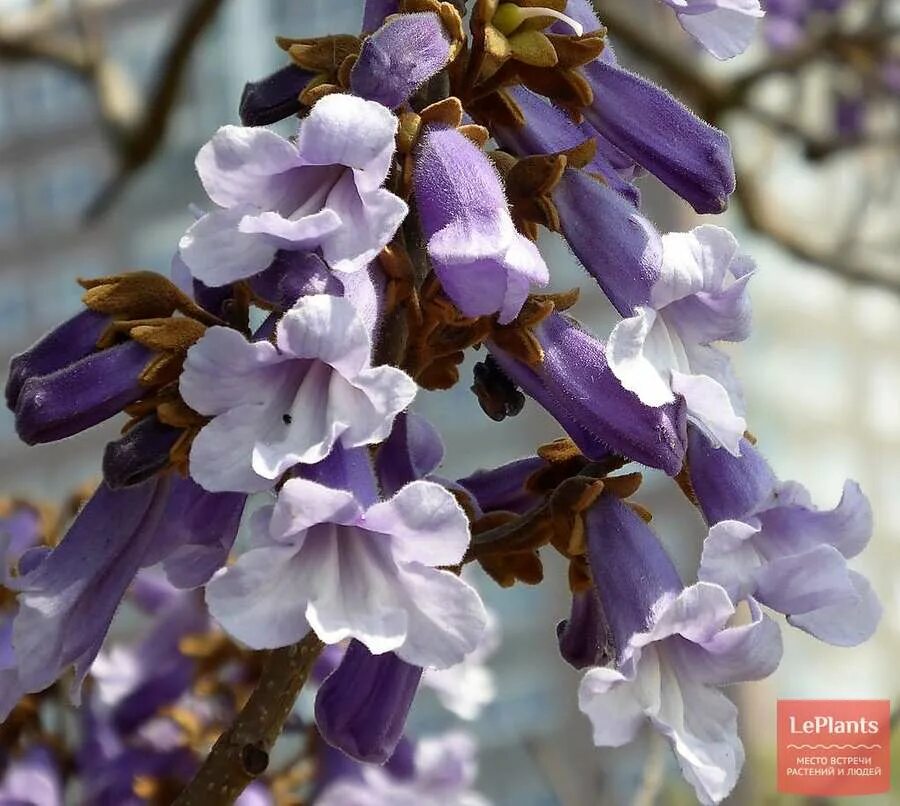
287, 419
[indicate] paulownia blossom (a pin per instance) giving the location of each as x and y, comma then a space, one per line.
723, 27
278, 405
665, 350
441, 772
774, 546
323, 191
320, 560
673, 652
484, 264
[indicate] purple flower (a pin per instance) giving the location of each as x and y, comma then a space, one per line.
662, 135
618, 246
140, 454
361, 708
549, 130
67, 602
575, 384
274, 97
665, 349
485, 266
323, 191
399, 58
583, 637
65, 345
504, 487
412, 451
319, 560
277, 405
444, 774
673, 652
782, 551
198, 530
80, 395
34, 779
722, 27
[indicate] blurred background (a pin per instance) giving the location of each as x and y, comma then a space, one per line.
104, 103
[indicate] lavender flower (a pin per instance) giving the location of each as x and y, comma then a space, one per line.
673, 651
484, 265
80, 395
549, 130
361, 708
617, 245
782, 551
664, 349
575, 384
67, 602
322, 191
400, 57
444, 773
722, 27
662, 135
35, 779
274, 97
277, 405
319, 560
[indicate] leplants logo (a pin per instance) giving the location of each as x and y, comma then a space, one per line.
834, 747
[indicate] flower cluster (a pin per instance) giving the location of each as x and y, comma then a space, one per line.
152, 706
334, 274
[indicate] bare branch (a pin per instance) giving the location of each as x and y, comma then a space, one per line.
242, 752
134, 138
767, 219
145, 138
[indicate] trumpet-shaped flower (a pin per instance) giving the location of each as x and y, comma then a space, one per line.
781, 550
664, 350
323, 191
483, 263
320, 561
673, 652
278, 405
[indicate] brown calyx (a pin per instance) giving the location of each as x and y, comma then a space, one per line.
331, 58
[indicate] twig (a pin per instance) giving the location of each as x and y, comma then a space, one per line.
145, 138
765, 218
242, 752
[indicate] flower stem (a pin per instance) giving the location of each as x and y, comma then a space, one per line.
241, 753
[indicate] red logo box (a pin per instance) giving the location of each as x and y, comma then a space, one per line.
834, 747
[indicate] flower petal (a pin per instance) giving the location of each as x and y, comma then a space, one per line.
242, 165
326, 328
302, 504
345, 130
640, 357
223, 371
611, 702
217, 253
260, 599
425, 522
446, 617
368, 222
843, 624
711, 409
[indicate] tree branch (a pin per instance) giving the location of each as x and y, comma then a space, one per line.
135, 139
143, 140
241, 753
766, 219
